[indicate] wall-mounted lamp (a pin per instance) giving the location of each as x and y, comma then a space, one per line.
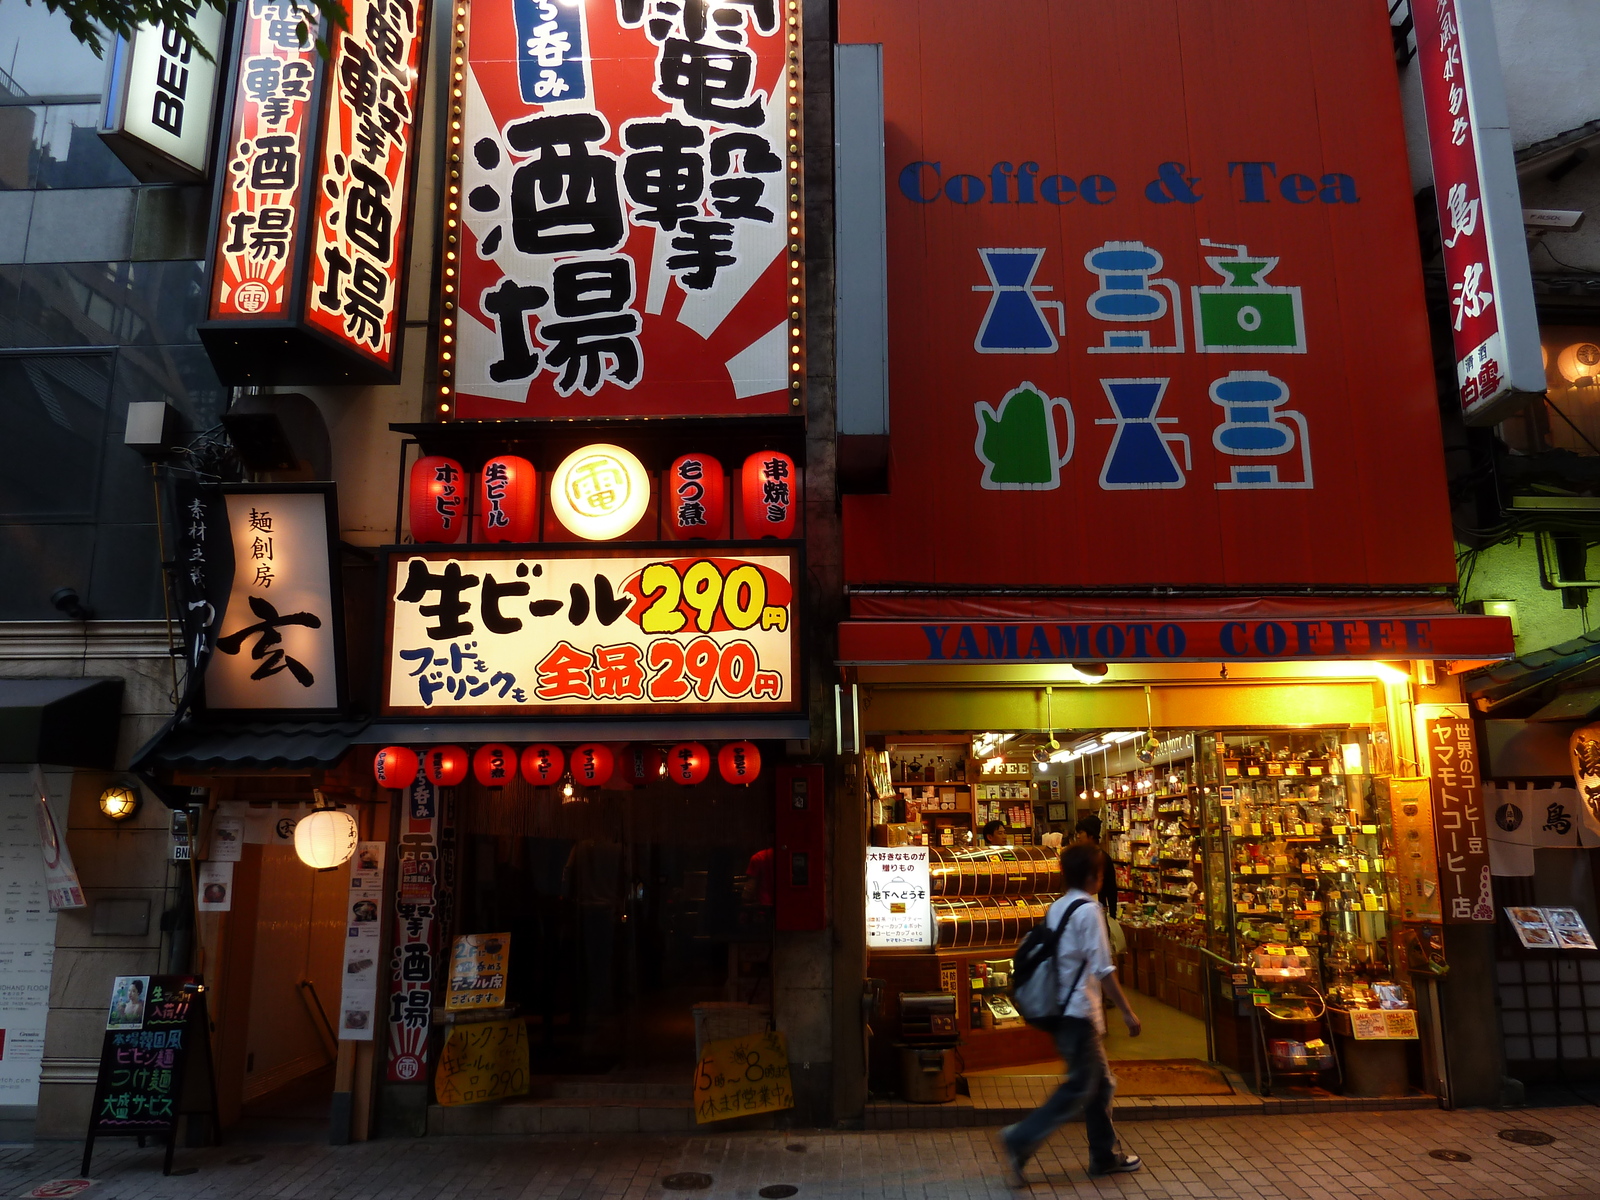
119, 801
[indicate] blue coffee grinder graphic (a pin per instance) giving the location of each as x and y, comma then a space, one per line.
1141, 454
1128, 295
1254, 426
1015, 321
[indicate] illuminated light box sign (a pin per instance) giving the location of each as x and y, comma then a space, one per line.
497, 633
279, 641
1459, 637
161, 99
311, 214
626, 205
1177, 331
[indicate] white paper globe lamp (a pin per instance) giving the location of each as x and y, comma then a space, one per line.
326, 838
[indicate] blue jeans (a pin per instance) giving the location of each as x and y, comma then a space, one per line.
1087, 1089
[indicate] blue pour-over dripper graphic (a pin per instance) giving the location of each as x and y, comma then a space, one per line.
1141, 453
1256, 425
1015, 321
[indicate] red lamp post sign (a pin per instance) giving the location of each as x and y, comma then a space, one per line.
688, 763
493, 765
445, 766
694, 499
508, 500
437, 499
767, 486
592, 764
541, 765
394, 767
739, 762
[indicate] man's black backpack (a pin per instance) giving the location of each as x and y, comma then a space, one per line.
1034, 982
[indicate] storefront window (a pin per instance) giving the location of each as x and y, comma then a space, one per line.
1570, 418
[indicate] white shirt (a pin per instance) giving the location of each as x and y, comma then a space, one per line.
1084, 943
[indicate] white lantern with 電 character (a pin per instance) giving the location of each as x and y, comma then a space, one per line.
326, 837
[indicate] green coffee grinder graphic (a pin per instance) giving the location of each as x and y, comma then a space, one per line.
1017, 442
1245, 314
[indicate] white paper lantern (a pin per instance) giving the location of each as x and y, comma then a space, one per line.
326, 838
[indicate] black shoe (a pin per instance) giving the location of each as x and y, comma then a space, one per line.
1012, 1162
1117, 1164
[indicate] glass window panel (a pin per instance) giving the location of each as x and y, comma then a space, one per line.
56, 407
163, 301
71, 154
75, 304
40, 57
21, 127
180, 375
37, 560
126, 581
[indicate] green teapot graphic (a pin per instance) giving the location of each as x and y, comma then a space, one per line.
1017, 443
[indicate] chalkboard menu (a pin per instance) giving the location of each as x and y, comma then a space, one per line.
156, 1043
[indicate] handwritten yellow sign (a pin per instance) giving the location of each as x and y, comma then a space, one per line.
478, 971
486, 1060
743, 1075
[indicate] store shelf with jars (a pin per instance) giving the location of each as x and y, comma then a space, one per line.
1151, 834
932, 802
1297, 837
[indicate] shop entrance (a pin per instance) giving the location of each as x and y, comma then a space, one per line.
282, 966
632, 914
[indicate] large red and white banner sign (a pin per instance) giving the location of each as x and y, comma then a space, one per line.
514, 633
1494, 326
623, 209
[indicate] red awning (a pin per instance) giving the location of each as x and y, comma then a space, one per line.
1162, 635
926, 606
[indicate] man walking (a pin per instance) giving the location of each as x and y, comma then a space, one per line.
1083, 969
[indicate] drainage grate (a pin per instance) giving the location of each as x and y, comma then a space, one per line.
1527, 1137
1450, 1155
687, 1181
797, 1147
777, 1191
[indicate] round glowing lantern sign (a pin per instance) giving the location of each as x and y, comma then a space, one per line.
592, 764
493, 765
600, 492
694, 499
739, 762
769, 494
641, 764
541, 765
394, 767
508, 500
445, 766
326, 838
688, 763
438, 502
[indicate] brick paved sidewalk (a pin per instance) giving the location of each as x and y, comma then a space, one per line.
1320, 1157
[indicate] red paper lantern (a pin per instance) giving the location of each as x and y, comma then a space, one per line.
688, 763
694, 499
394, 767
739, 762
494, 765
508, 500
445, 766
641, 764
771, 493
592, 764
438, 499
541, 765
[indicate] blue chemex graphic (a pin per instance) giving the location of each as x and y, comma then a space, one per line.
1015, 321
551, 51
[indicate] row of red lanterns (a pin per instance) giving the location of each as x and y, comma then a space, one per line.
694, 492
592, 764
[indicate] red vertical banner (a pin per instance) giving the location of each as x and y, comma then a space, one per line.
359, 226
264, 165
412, 967
1460, 826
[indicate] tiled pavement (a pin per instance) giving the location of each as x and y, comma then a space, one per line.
1316, 1157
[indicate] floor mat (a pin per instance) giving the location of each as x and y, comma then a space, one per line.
1169, 1077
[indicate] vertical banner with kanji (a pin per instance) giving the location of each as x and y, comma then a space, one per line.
626, 202
358, 232
1461, 829
1492, 319
416, 928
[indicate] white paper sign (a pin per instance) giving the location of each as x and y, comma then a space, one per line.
358, 1004
27, 940
227, 839
214, 881
898, 911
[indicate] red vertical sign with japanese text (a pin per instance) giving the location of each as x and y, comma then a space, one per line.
412, 975
1460, 827
359, 227
1486, 311
263, 166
